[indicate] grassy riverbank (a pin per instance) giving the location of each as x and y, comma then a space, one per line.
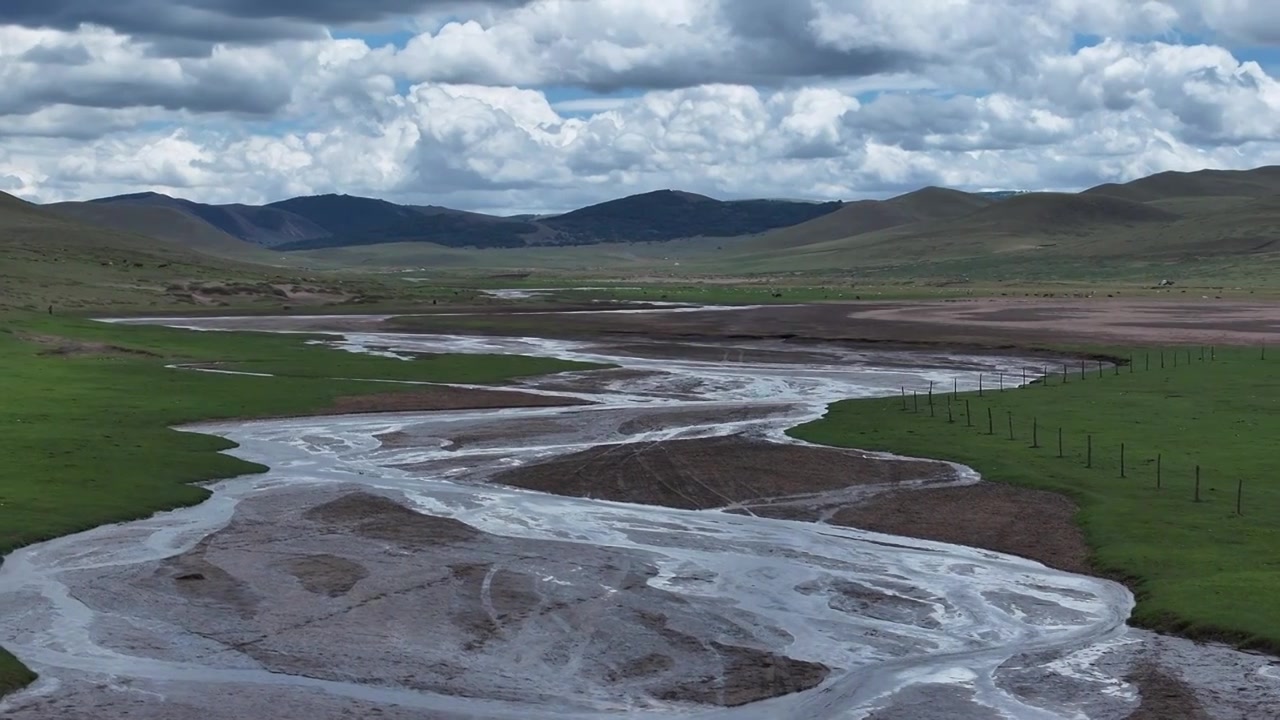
1197, 567
87, 409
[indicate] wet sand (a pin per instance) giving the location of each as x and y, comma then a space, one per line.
796, 481
350, 586
988, 323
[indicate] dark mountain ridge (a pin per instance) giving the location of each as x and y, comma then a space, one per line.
1195, 206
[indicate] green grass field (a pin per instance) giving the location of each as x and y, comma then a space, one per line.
87, 437
1197, 568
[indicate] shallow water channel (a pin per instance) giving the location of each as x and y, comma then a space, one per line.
587, 608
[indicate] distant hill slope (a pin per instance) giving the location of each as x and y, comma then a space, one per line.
657, 216
266, 226
671, 215
1056, 213
1046, 224
1169, 217
865, 216
164, 223
350, 220
51, 259
1259, 182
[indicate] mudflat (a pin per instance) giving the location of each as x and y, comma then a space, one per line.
963, 324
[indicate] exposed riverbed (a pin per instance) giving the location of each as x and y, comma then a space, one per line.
378, 569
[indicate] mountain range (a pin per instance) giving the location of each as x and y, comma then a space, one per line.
1167, 217
324, 221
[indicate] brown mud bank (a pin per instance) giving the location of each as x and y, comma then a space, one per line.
973, 325
914, 498
346, 586
722, 472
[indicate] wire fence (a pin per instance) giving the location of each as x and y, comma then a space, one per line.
1108, 454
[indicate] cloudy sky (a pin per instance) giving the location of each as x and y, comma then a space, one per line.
542, 105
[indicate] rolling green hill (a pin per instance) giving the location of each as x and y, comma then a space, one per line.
1208, 224
1222, 224
265, 226
865, 216
165, 223
1258, 182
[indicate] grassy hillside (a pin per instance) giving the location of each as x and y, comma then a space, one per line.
865, 216
353, 221
168, 224
265, 226
1254, 183
1197, 567
671, 215
47, 259
1216, 227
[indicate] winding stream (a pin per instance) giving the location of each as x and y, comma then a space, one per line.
950, 626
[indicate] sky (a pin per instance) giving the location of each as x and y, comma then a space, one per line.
515, 106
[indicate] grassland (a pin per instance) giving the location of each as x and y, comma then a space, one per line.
1197, 568
88, 408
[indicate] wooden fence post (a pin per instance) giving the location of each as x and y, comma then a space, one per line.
1159, 458
1197, 483
930, 393
1239, 495
1001, 382
915, 401
1035, 433
1065, 376
1099, 368
1088, 458
1122, 460
1082, 377
904, 398
968, 418
950, 417
991, 429
1010, 412
979, 384
1059, 442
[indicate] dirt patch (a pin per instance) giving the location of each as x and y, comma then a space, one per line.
974, 325
712, 473
376, 517
1164, 696
1029, 523
444, 397
478, 435
67, 347
790, 482
203, 583
744, 675
327, 574
221, 294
